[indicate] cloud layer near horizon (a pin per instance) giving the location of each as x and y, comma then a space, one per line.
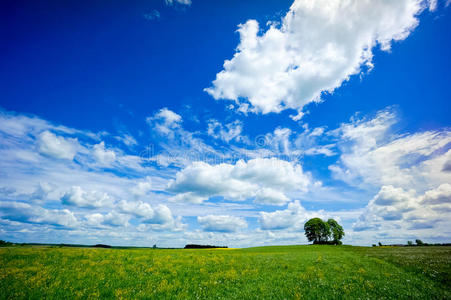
63, 179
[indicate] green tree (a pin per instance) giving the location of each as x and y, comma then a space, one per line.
317, 231
4, 243
419, 242
337, 231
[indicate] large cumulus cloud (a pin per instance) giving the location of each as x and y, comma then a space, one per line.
317, 46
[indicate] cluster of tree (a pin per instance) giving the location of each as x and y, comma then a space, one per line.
5, 243
418, 242
321, 232
101, 246
194, 246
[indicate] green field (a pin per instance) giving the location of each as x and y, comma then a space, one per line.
289, 272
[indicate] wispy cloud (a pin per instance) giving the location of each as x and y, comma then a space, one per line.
371, 153
153, 15
181, 2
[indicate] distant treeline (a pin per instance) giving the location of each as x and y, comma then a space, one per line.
425, 244
189, 246
194, 246
101, 246
4, 244
411, 244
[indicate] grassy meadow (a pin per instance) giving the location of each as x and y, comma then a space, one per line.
285, 272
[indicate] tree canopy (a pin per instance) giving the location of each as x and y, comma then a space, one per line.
336, 230
320, 232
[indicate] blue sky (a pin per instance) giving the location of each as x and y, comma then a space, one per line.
225, 122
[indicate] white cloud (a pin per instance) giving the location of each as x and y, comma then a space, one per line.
127, 139
160, 215
149, 218
180, 146
293, 217
15, 125
57, 146
408, 169
115, 219
439, 196
103, 156
138, 209
227, 132
283, 219
25, 213
279, 141
284, 141
281, 225
182, 2
25, 138
76, 196
165, 121
447, 166
401, 210
391, 196
42, 192
263, 178
270, 196
318, 45
94, 220
153, 15
221, 223
142, 188
432, 5
168, 116
27, 169
43, 180
372, 154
